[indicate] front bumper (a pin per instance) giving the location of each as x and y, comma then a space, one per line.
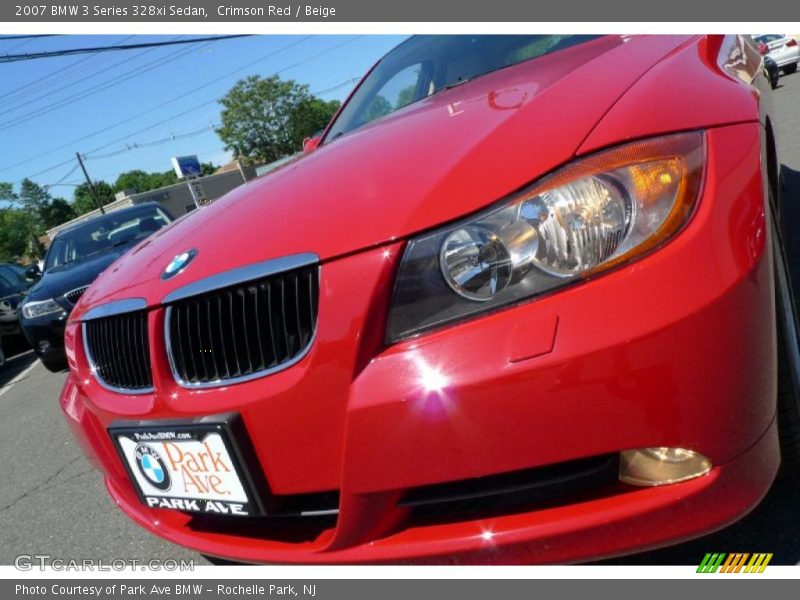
677, 349
9, 325
46, 336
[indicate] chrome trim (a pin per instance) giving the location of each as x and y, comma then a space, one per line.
96, 372
233, 380
241, 275
256, 374
318, 513
77, 289
117, 307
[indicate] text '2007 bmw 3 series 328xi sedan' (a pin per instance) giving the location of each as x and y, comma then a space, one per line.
517, 304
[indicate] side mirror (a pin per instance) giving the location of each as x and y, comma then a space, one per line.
310, 143
33, 272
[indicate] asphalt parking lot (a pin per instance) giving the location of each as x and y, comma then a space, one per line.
52, 502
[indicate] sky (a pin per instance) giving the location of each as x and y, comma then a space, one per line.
103, 105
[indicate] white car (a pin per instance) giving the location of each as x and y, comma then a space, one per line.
781, 48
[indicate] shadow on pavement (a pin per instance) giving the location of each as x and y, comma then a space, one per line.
18, 358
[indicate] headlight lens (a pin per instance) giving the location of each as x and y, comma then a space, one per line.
32, 310
585, 218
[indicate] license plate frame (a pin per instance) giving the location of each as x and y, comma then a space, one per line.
232, 436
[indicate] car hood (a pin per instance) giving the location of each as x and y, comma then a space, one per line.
432, 162
56, 282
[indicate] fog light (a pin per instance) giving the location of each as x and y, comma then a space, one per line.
661, 466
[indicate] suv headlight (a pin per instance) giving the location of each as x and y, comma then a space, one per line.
585, 218
32, 310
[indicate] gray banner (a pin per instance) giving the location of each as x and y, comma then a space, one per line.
342, 589
31, 11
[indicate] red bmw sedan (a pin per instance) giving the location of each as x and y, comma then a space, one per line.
525, 301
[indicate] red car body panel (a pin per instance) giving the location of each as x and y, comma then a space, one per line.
405, 182
653, 353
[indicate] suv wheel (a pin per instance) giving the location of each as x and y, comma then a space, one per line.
54, 365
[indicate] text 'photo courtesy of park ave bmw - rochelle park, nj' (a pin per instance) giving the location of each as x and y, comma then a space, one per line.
384, 298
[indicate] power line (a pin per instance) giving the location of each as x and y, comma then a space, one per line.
61, 88
336, 87
114, 48
161, 105
102, 86
180, 114
56, 74
150, 144
217, 99
27, 37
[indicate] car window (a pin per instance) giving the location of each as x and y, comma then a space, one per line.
424, 65
771, 37
400, 90
101, 234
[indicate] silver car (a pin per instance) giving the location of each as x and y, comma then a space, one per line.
781, 48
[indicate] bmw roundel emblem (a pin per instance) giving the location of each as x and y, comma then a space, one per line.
179, 263
152, 467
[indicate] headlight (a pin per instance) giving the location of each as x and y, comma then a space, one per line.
587, 217
31, 310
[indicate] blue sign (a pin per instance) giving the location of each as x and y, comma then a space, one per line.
187, 166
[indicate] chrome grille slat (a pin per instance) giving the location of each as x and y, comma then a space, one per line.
74, 295
118, 350
244, 330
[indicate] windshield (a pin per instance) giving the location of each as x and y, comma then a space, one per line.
104, 233
424, 65
769, 37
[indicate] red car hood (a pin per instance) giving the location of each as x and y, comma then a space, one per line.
429, 163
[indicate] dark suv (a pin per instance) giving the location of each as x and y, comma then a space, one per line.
73, 261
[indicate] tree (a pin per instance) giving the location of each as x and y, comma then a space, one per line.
7, 192
311, 116
14, 234
265, 119
30, 214
58, 211
84, 201
34, 200
136, 180
142, 181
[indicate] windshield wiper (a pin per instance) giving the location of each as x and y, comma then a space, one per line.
450, 86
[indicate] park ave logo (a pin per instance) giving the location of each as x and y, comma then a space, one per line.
152, 467
195, 475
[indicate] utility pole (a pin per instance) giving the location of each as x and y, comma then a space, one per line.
92, 189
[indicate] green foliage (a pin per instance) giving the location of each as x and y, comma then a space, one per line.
265, 119
84, 202
26, 216
14, 234
7, 192
141, 181
58, 211
34, 200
